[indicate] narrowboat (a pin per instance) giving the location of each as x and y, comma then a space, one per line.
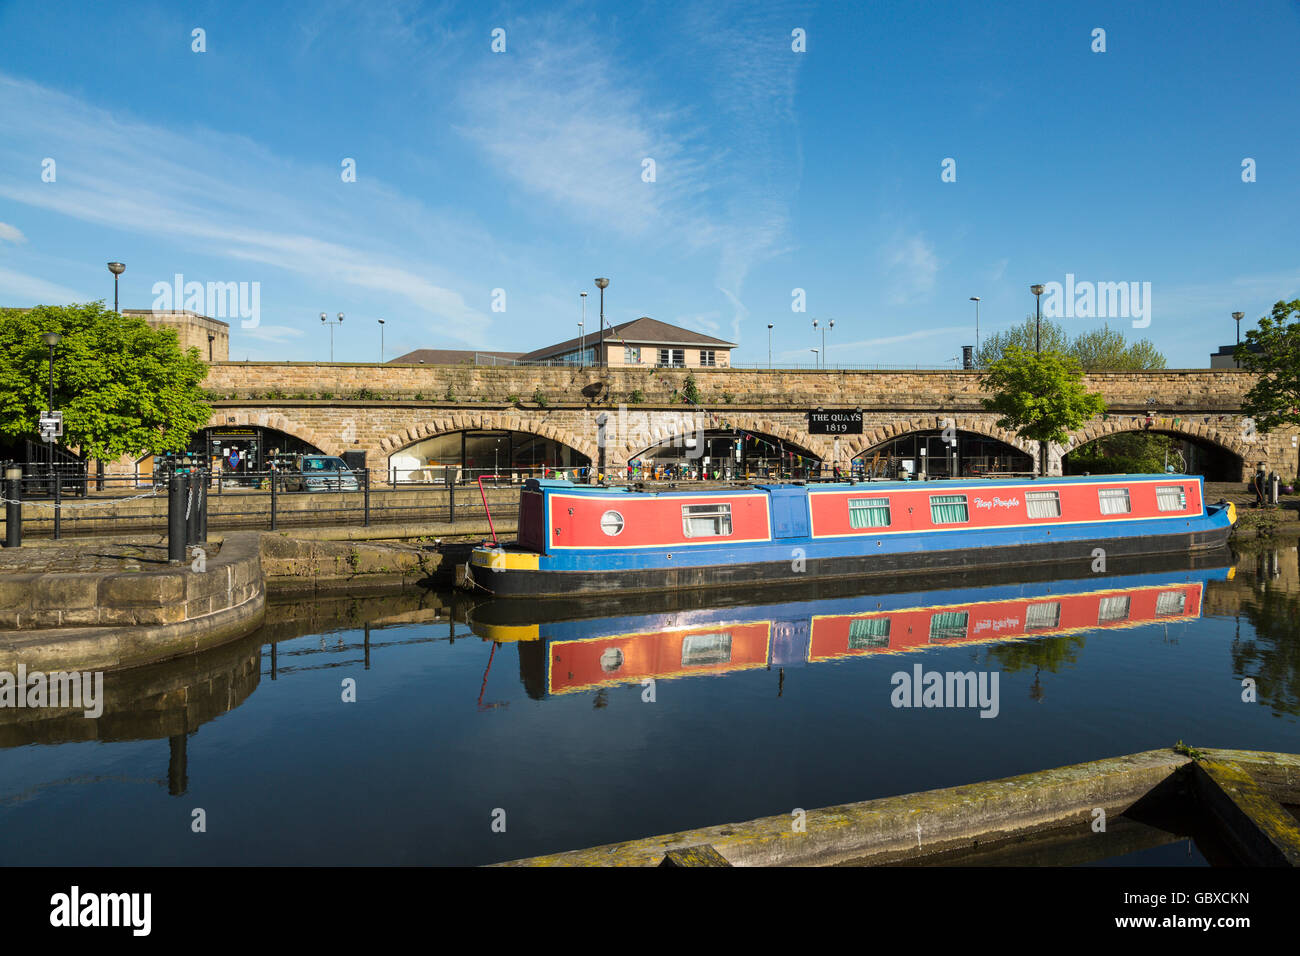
575, 539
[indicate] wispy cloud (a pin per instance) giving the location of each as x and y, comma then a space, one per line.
10, 233
21, 289
913, 268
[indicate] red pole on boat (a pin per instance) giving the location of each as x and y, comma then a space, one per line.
485, 509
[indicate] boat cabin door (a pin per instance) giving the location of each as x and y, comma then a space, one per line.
789, 512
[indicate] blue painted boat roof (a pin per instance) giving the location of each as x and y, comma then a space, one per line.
684, 486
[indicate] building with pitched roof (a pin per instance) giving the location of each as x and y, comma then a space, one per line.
643, 342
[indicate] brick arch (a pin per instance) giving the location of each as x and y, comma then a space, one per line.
980, 426
486, 421
801, 440
1186, 428
329, 445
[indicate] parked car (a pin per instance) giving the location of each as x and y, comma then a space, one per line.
321, 473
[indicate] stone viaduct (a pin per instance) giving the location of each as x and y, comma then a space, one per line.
383, 408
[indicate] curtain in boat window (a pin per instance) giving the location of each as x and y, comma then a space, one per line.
1043, 615
706, 521
868, 632
1113, 608
1043, 504
948, 509
869, 512
1171, 602
1171, 498
1114, 501
948, 626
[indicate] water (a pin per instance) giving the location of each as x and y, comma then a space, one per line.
762, 702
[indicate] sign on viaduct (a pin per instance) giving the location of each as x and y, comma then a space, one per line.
382, 409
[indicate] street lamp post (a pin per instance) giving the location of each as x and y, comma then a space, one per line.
815, 352
51, 339
769, 346
117, 268
381, 341
325, 320
604, 359
1239, 316
582, 333
1037, 290
828, 325
976, 300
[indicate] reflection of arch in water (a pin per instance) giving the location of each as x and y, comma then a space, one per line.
1210, 451
981, 450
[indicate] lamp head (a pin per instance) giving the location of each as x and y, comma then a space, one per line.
51, 339
1036, 289
381, 321
323, 316
1239, 315
602, 283
340, 316
117, 268
974, 298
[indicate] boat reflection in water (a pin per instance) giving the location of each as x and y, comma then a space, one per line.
576, 650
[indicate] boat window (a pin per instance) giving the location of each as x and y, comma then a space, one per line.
701, 650
948, 626
869, 512
868, 632
948, 509
611, 522
1039, 616
705, 521
1043, 504
1171, 602
611, 659
1171, 498
1114, 501
1113, 608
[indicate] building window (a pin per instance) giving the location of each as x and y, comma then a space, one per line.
948, 509
1170, 602
948, 626
1114, 501
1043, 616
611, 522
672, 358
1113, 609
1043, 504
869, 512
706, 521
1172, 498
631, 356
708, 358
868, 632
703, 650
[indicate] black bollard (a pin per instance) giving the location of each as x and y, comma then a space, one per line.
14, 507
205, 478
176, 518
365, 476
275, 483
58, 506
450, 475
193, 495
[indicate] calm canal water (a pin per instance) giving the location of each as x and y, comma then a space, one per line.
760, 702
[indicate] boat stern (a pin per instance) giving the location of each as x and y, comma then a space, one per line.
499, 570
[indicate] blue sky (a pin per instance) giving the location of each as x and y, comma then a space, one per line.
774, 170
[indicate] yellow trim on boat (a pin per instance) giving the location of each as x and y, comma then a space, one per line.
497, 560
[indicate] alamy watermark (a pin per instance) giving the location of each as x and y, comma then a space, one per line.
77, 690
923, 688
1098, 300
216, 300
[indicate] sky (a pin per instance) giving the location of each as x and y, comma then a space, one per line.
728, 165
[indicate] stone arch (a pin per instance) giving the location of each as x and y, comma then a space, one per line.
871, 437
267, 419
636, 443
486, 421
1186, 428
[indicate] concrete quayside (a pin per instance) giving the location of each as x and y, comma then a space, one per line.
1240, 806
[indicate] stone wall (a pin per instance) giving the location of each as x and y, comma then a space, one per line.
325, 405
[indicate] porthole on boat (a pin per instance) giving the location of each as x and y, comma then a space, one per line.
611, 660
611, 522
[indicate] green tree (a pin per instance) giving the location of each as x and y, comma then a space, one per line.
690, 390
1273, 352
123, 387
1040, 396
1106, 350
